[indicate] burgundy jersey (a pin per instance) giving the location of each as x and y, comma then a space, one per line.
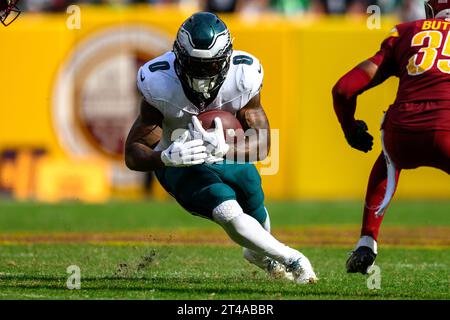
419, 54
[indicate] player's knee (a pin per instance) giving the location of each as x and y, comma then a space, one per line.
227, 211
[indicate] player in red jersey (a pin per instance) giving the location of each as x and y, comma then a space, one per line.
416, 128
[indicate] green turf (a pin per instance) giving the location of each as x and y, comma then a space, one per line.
123, 216
202, 272
206, 272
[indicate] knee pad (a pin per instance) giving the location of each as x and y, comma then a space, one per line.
227, 211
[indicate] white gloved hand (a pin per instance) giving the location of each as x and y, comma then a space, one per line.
213, 159
183, 154
215, 139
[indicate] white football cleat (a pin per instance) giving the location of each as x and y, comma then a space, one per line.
302, 271
274, 269
278, 271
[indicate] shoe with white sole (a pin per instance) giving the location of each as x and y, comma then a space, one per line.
274, 269
278, 271
302, 271
361, 260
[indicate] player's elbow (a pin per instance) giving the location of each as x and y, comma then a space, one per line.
350, 85
264, 147
130, 161
262, 155
340, 91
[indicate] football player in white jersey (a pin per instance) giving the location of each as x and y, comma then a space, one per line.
203, 72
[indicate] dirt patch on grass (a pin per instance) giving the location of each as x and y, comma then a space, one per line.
340, 236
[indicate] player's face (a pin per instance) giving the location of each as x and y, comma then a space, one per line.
198, 68
202, 75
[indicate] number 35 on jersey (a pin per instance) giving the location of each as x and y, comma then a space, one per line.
435, 51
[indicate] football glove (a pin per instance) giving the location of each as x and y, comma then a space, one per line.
213, 159
358, 137
183, 154
215, 140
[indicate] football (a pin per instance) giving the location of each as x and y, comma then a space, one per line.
229, 121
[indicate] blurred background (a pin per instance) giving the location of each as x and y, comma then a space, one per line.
407, 9
69, 94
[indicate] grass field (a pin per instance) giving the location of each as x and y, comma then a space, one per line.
157, 251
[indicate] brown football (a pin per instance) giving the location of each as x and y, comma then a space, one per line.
229, 121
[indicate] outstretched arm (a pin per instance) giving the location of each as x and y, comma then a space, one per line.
256, 144
143, 137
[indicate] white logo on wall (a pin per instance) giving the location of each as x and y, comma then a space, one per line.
95, 99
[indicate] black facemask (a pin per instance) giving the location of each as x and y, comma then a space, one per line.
201, 77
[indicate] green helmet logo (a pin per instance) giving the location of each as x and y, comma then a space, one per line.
202, 49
